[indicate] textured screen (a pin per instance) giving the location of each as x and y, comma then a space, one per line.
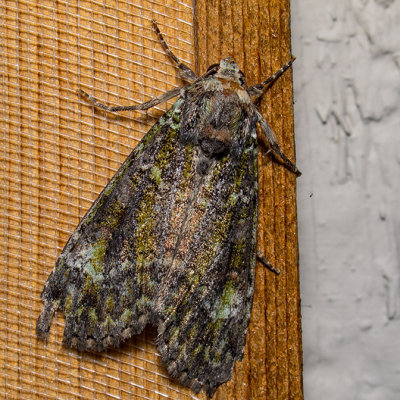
57, 154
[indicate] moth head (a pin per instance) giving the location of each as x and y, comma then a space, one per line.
229, 71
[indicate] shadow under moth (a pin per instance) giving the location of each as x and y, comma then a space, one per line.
171, 240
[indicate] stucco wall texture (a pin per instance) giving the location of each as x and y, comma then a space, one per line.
347, 120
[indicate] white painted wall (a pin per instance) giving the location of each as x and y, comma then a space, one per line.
347, 120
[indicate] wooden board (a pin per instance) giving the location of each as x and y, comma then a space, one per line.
256, 33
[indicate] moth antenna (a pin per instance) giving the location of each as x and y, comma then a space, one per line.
269, 134
144, 106
185, 72
257, 90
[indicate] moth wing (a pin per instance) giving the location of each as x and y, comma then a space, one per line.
206, 296
106, 277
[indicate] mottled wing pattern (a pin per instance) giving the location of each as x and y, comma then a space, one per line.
170, 241
206, 295
106, 277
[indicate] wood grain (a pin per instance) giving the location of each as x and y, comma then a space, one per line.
256, 34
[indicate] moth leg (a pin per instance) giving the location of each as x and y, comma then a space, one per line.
266, 263
257, 90
144, 106
269, 134
267, 153
185, 72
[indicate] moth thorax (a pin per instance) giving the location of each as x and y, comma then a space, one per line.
215, 141
228, 69
230, 76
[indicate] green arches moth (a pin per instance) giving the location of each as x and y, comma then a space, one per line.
171, 240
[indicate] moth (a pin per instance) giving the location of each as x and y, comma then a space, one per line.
171, 240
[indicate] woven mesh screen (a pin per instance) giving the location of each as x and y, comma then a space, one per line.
57, 155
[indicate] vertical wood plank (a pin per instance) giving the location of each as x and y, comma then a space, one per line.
257, 34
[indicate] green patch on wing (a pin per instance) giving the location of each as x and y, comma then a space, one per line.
69, 302
80, 311
143, 304
145, 240
109, 304
90, 289
94, 266
239, 254
113, 216
126, 317
93, 318
93, 271
227, 300
148, 138
155, 175
108, 324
